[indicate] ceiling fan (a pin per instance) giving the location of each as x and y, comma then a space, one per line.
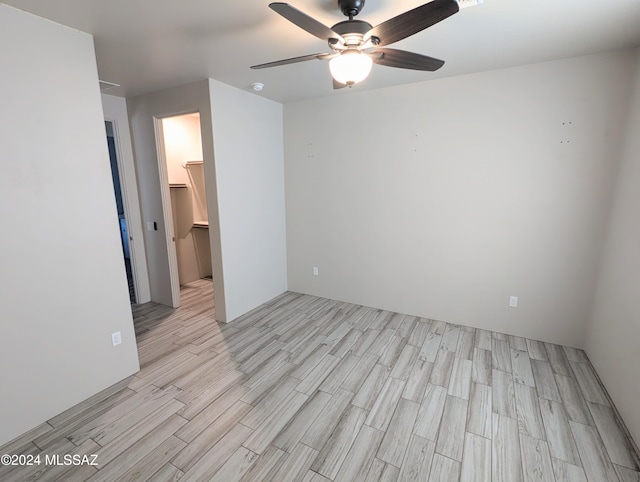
356, 45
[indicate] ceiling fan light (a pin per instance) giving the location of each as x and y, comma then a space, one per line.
350, 67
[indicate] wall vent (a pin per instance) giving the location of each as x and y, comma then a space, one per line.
104, 85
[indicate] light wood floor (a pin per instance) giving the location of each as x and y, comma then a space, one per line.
308, 389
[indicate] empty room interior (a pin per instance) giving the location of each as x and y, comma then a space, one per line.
356, 263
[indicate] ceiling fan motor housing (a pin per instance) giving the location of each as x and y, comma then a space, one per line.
351, 8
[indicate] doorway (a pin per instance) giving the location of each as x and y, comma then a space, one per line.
187, 221
122, 221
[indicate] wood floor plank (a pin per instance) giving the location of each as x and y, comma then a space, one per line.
537, 350
275, 422
105, 429
291, 435
442, 367
236, 466
206, 466
201, 415
506, 459
627, 475
321, 428
483, 340
126, 439
295, 466
558, 360
561, 443
481, 367
339, 374
312, 381
380, 343
536, 460
565, 472
395, 441
589, 384
417, 462
545, 380
138, 451
380, 471
360, 455
574, 402
361, 346
460, 382
431, 345
419, 333
357, 376
335, 450
266, 464
503, 393
407, 326
368, 393
405, 362
476, 463
384, 406
575, 355
345, 346
209, 436
479, 420
450, 441
615, 441
418, 380
595, 460
153, 462
521, 365
267, 405
450, 338
466, 344
528, 410
391, 352
444, 468
430, 413
517, 343
312, 476
501, 355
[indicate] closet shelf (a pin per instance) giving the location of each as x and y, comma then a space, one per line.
192, 163
201, 224
177, 185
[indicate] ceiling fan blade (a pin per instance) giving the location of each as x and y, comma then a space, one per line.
304, 21
405, 60
338, 85
292, 60
413, 21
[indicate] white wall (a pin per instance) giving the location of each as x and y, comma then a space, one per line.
248, 145
614, 331
443, 198
182, 143
115, 110
64, 288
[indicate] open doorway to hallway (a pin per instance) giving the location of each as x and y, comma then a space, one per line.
122, 218
182, 151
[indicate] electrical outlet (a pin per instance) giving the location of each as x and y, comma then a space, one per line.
116, 338
315, 271
513, 301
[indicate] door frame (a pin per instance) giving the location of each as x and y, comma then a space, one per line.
167, 210
129, 191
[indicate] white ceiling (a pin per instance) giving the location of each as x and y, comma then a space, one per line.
148, 45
